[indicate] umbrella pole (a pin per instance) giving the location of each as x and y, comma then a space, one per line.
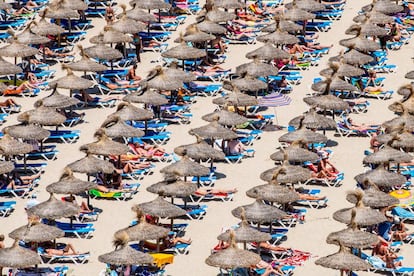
15, 76
172, 224
24, 161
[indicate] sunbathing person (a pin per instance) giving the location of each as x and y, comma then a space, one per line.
15, 90
268, 246
68, 250
48, 52
271, 269
166, 243
132, 75
399, 230
17, 182
296, 48
234, 147
146, 150
325, 168
208, 191
238, 33
10, 103
360, 127
85, 97
84, 208
383, 252
131, 167
304, 196
115, 83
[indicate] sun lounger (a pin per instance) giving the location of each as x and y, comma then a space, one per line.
76, 258
205, 181
6, 207
30, 167
194, 212
380, 95
64, 136
204, 90
78, 230
196, 197
111, 195
380, 266
402, 213
330, 182
345, 131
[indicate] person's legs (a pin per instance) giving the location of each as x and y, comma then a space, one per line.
180, 240
69, 249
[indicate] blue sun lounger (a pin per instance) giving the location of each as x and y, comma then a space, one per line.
76, 259
79, 230
6, 207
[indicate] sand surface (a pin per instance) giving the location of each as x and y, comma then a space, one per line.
310, 236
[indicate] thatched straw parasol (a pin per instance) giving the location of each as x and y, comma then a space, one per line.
158, 80
7, 68
327, 102
236, 99
214, 131
334, 83
110, 35
128, 112
297, 14
36, 232
29, 37
291, 174
387, 154
175, 188
6, 167
273, 192
225, 118
352, 236
283, 25
144, 230
311, 119
42, 115
256, 69
184, 52
128, 25
360, 43
409, 75
140, 15
406, 120
306, 135
44, 27
174, 72
124, 254
71, 81
199, 151
160, 208
211, 27
307, 5
259, 212
16, 49
296, 152
366, 29
194, 35
150, 4
10, 146
278, 37
54, 209
406, 104
383, 6
117, 128
27, 132
102, 52
86, 64
268, 52
18, 257
90, 164
69, 184
373, 197
57, 100
365, 216
382, 178
373, 17
248, 83
146, 97
104, 145
185, 167
343, 260
342, 70
353, 57
233, 257
216, 15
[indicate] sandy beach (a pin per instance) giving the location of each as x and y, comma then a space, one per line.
309, 236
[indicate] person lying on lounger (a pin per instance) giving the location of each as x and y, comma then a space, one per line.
360, 127
115, 83
146, 150
85, 97
166, 243
234, 147
16, 181
83, 206
10, 103
68, 250
325, 168
209, 191
15, 90
49, 53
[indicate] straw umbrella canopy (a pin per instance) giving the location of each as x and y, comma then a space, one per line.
373, 197
110, 35
129, 112
10, 146
406, 120
311, 119
16, 49
185, 167
27, 132
6, 167
5, 6
199, 151
283, 25
303, 134
406, 104
387, 154
229, 4
214, 131
138, 14
174, 72
245, 233
77, 5
278, 37
297, 14
3, 87
57, 100
128, 25
36, 232
176, 188
104, 145
341, 70
44, 27
343, 260
183, 52
233, 257
157, 79
86, 64
402, 139
42, 115
360, 43
295, 153
383, 6
352, 236
224, 117
211, 27
160, 208
272, 191
61, 10
146, 97
292, 174
90, 164
150, 4
365, 216
409, 75
195, 35
117, 128
124, 254
373, 17
332, 83
71, 81
307, 5
236, 98
381, 177
366, 29
18, 257
256, 69
54, 209
248, 83
216, 15
268, 52
69, 184
405, 90
7, 68
259, 212
29, 37
144, 230
102, 52
353, 57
